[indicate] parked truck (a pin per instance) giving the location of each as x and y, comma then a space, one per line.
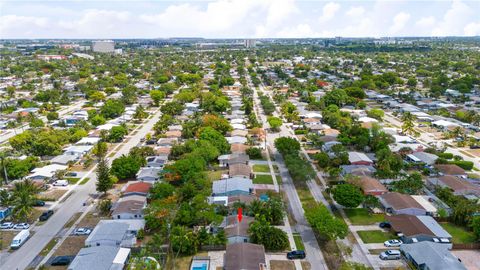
20, 239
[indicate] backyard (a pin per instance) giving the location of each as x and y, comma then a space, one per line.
459, 234
361, 216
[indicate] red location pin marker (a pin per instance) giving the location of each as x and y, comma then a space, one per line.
239, 215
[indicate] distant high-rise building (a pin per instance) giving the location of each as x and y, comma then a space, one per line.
103, 46
250, 43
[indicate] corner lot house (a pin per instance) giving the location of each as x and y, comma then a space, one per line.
241, 256
429, 255
397, 203
100, 258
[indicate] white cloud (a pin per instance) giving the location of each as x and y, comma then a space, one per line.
11, 25
355, 12
97, 23
329, 11
301, 30
454, 19
399, 22
472, 29
426, 21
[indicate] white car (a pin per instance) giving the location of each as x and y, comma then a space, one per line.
82, 231
62, 183
7, 225
392, 243
21, 226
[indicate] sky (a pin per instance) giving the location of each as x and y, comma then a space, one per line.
101, 19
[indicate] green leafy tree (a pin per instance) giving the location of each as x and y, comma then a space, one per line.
112, 108
117, 133
98, 120
23, 199
325, 223
126, 167
412, 184
183, 241
348, 195
272, 238
287, 145
157, 96
216, 139
274, 122
104, 179
408, 126
376, 113
52, 116
140, 113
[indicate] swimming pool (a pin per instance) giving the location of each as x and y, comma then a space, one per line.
200, 265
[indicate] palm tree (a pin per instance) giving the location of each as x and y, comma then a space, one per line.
23, 199
408, 126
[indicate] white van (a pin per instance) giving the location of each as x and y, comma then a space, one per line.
19, 239
62, 183
391, 254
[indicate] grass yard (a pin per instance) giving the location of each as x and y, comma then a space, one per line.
459, 234
279, 179
375, 236
183, 262
215, 175
261, 168
263, 179
89, 220
298, 241
71, 246
72, 180
84, 181
49, 246
282, 265
6, 238
361, 216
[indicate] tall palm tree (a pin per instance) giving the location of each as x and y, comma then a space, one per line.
408, 126
23, 199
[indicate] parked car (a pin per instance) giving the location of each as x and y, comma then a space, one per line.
61, 260
6, 225
392, 243
390, 254
71, 174
39, 203
296, 254
21, 226
20, 239
62, 183
46, 215
82, 231
385, 225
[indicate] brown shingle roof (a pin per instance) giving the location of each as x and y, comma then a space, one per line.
457, 184
141, 187
239, 170
239, 148
408, 225
130, 206
235, 228
243, 256
400, 201
449, 169
370, 184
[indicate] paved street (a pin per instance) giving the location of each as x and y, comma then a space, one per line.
21, 258
314, 254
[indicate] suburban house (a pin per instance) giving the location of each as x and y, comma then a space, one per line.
397, 203
422, 158
157, 161
232, 186
357, 158
77, 150
240, 170
130, 207
115, 233
371, 186
450, 169
149, 174
238, 148
46, 171
241, 256
357, 170
239, 132
430, 255
173, 134
414, 229
457, 185
168, 142
236, 139
235, 158
136, 188
235, 231
100, 258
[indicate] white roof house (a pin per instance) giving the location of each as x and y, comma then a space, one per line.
444, 124
77, 150
46, 171
236, 139
88, 141
239, 126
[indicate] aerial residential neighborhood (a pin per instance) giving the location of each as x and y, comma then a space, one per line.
267, 149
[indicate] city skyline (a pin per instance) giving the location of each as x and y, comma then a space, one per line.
237, 19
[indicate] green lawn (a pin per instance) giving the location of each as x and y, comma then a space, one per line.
72, 180
298, 241
361, 216
279, 179
459, 234
85, 180
375, 236
261, 168
215, 175
263, 179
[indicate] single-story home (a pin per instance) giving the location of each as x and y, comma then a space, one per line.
77, 150
149, 174
450, 169
136, 188
414, 229
236, 139
241, 256
238, 148
167, 142
357, 158
371, 186
46, 171
235, 231
231, 159
459, 186
157, 161
430, 255
357, 170
64, 159
173, 134
232, 186
88, 141
130, 207
398, 203
422, 157
115, 233
240, 170
100, 258
239, 132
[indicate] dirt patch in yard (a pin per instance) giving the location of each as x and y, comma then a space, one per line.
306, 265
90, 220
6, 238
282, 265
52, 195
71, 246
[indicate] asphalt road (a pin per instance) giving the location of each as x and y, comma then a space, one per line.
21, 258
314, 254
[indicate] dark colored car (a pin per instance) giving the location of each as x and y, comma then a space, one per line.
39, 203
296, 254
61, 260
385, 225
151, 142
46, 215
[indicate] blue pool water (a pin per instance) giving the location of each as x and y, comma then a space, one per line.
200, 267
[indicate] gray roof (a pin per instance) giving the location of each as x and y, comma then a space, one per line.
425, 157
433, 226
432, 255
232, 184
108, 232
149, 172
96, 258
